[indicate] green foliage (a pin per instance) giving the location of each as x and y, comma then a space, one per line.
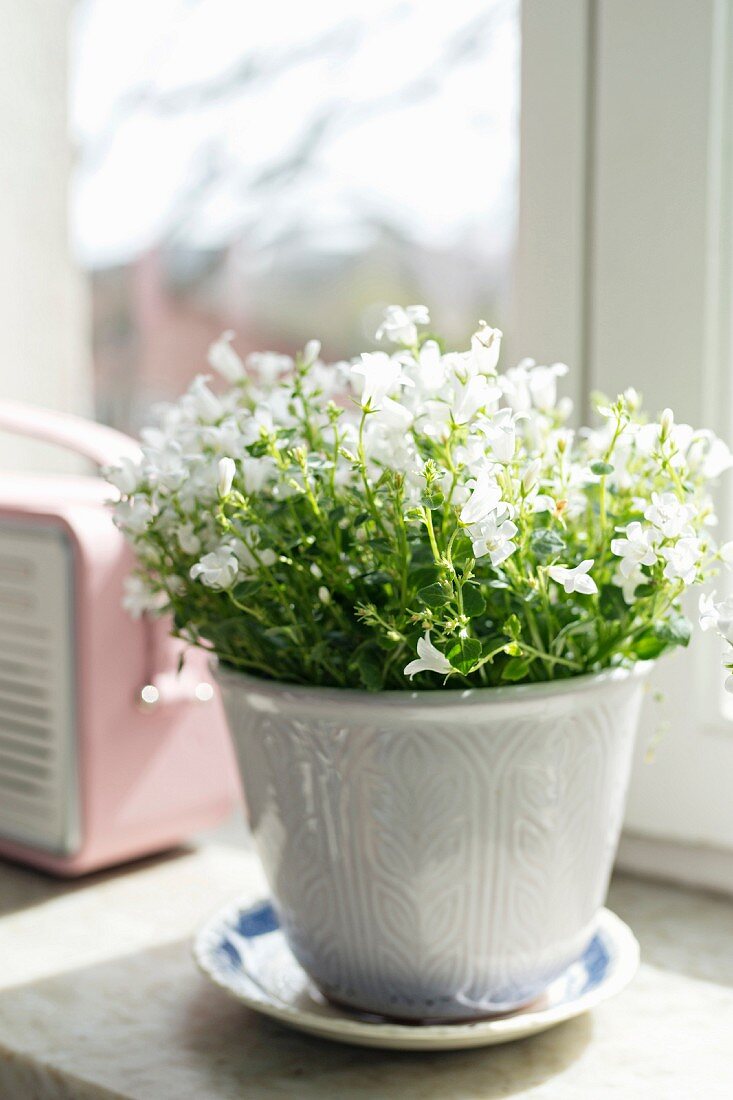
345, 561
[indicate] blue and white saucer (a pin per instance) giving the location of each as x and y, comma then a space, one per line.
244, 952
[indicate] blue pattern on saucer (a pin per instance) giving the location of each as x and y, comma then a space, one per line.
257, 921
243, 950
243, 938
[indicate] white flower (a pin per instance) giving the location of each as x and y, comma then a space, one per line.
531, 476
632, 398
224, 359
223, 438
392, 415
382, 373
227, 470
269, 365
429, 659
188, 540
311, 351
484, 499
139, 598
708, 617
400, 324
501, 433
125, 476
485, 348
542, 502
498, 448
165, 465
666, 423
575, 580
218, 569
248, 561
493, 536
201, 402
718, 459
668, 514
716, 616
257, 472
636, 548
682, 559
477, 392
543, 385
429, 370
629, 584
514, 385
135, 515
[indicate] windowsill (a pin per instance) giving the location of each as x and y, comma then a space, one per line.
99, 997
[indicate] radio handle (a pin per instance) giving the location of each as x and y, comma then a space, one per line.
102, 445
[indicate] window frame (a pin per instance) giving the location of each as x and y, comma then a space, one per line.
624, 269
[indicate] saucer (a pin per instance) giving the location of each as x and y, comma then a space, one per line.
243, 950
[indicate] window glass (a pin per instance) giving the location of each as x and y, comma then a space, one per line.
285, 170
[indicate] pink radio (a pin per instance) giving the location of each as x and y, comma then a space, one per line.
106, 753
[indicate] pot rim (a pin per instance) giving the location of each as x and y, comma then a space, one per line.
310, 695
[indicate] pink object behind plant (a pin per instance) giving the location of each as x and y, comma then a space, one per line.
144, 778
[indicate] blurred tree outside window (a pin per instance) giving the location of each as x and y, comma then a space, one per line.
285, 170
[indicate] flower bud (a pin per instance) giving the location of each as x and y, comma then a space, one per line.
227, 470
311, 351
324, 595
531, 476
666, 422
632, 398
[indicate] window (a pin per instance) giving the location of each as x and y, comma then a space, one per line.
624, 266
281, 170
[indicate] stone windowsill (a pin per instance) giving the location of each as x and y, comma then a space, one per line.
99, 998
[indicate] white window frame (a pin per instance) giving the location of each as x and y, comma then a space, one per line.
624, 269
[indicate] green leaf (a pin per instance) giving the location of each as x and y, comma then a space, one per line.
474, 603
244, 591
516, 668
676, 630
258, 448
434, 595
649, 646
611, 602
370, 664
512, 627
432, 498
375, 578
421, 553
462, 551
380, 544
464, 654
546, 543
644, 590
423, 575
601, 468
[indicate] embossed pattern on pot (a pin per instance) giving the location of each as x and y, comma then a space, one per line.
436, 856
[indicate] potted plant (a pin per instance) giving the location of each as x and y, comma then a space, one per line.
433, 606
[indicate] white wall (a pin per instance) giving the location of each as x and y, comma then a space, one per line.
44, 345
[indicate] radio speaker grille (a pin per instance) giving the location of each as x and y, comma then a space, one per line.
38, 757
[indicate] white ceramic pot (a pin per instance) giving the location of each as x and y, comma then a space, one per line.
436, 854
